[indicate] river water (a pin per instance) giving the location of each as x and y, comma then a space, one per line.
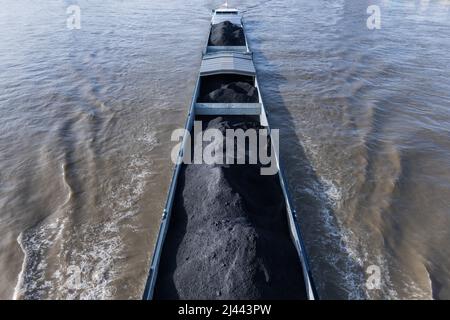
86, 117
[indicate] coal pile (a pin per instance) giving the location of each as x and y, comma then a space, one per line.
226, 34
239, 92
228, 89
228, 236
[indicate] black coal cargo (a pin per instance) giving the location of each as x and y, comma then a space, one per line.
228, 236
226, 34
228, 89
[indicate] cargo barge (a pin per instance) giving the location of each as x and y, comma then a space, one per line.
228, 232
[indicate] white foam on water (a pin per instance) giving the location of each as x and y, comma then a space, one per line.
150, 139
34, 243
343, 259
332, 192
66, 261
360, 255
19, 285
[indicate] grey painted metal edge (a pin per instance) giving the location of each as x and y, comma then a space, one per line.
228, 108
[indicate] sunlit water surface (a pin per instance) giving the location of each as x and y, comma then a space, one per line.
86, 117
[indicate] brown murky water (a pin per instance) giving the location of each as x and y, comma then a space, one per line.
86, 117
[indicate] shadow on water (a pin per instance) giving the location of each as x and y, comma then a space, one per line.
336, 273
